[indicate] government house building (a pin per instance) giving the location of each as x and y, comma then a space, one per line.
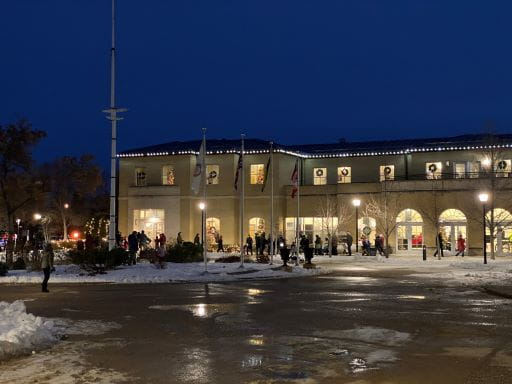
409, 190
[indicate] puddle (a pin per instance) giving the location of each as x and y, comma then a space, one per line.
198, 310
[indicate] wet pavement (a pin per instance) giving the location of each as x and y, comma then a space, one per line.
355, 325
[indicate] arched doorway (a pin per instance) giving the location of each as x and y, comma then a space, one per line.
367, 227
256, 226
452, 223
409, 231
212, 230
501, 221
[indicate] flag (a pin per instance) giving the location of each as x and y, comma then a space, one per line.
197, 177
295, 179
238, 169
265, 176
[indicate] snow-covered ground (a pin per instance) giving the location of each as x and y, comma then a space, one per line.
449, 270
22, 332
172, 273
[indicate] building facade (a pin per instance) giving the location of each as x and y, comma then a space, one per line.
410, 191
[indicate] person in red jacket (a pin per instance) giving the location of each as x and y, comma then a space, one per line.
461, 245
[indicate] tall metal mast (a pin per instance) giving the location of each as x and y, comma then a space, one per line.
112, 116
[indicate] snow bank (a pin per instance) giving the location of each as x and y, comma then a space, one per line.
22, 332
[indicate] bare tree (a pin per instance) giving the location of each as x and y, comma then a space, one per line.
329, 209
430, 209
385, 208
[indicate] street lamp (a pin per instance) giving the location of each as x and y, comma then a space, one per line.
356, 203
202, 206
37, 216
66, 206
484, 197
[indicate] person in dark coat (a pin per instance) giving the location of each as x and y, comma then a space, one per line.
47, 265
133, 247
220, 244
197, 240
248, 244
318, 245
349, 240
258, 243
440, 244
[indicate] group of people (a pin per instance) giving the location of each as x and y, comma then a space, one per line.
440, 245
261, 242
366, 245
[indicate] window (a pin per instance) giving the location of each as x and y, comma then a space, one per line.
212, 230
151, 221
212, 174
344, 175
319, 176
168, 177
434, 170
503, 168
310, 226
256, 225
467, 169
387, 172
257, 173
140, 177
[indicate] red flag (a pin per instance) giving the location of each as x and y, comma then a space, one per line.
295, 179
238, 169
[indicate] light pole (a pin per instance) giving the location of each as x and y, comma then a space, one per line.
202, 207
18, 221
356, 203
484, 197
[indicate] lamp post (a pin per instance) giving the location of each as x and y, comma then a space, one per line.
18, 221
356, 203
484, 197
202, 206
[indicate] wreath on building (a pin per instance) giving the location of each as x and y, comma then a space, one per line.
344, 171
319, 172
502, 165
432, 168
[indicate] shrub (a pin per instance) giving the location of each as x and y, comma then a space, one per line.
19, 264
228, 259
184, 253
263, 259
97, 256
3, 269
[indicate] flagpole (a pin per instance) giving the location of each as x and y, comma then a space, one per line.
271, 203
297, 247
242, 206
203, 224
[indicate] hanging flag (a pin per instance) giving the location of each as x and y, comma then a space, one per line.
295, 179
197, 176
265, 176
238, 169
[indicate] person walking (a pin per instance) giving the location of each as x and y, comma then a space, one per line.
179, 239
349, 241
220, 244
133, 247
248, 244
197, 240
162, 239
440, 244
318, 245
47, 265
461, 245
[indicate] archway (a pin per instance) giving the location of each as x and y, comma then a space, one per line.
409, 231
367, 227
452, 223
501, 222
212, 229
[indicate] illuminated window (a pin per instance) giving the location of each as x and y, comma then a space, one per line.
257, 173
140, 177
434, 170
344, 175
387, 172
168, 177
256, 225
212, 229
151, 221
319, 176
467, 169
503, 168
212, 174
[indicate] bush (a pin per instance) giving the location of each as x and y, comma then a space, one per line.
184, 253
19, 264
228, 259
100, 256
3, 269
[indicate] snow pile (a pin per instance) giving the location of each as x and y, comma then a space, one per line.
21, 332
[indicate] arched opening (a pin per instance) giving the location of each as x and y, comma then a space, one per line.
212, 229
500, 220
256, 226
452, 224
409, 231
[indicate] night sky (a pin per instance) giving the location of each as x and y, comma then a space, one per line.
294, 71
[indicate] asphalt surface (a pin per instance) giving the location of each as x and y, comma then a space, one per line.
352, 326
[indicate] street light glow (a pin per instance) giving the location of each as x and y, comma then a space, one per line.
483, 197
202, 206
66, 206
37, 216
356, 202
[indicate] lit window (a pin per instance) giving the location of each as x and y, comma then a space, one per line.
434, 170
387, 172
151, 221
344, 175
256, 226
319, 176
212, 174
503, 168
168, 177
257, 173
212, 230
140, 177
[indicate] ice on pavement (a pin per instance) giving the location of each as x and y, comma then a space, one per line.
22, 332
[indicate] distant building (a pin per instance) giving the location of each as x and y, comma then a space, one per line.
424, 183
